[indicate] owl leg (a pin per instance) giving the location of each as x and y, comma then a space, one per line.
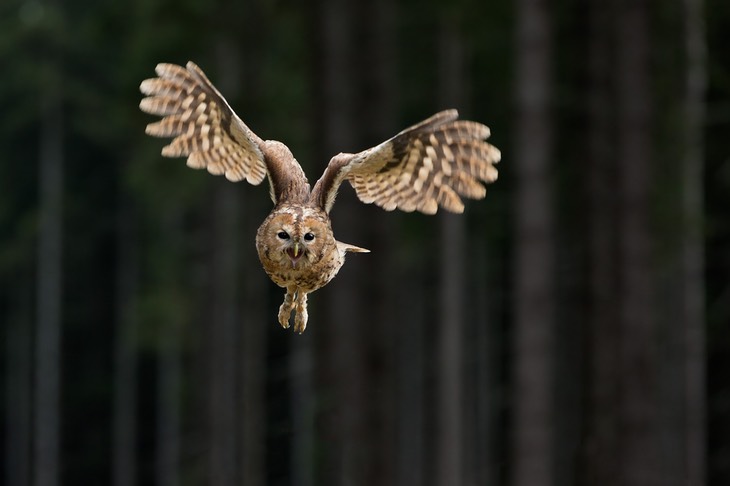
301, 317
287, 307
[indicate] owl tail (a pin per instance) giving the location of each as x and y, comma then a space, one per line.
345, 247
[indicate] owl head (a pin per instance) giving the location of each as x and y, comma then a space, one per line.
294, 235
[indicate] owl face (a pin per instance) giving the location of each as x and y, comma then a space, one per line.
294, 236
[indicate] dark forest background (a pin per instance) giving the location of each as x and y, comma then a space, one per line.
573, 328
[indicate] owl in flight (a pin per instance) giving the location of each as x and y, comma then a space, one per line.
423, 167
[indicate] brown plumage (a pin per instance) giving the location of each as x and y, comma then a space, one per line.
425, 166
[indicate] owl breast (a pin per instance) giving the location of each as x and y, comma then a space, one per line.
297, 248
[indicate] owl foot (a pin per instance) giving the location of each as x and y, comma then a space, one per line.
286, 308
302, 316
300, 320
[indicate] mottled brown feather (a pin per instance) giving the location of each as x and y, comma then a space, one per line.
204, 127
425, 166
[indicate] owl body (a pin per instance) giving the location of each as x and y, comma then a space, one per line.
429, 165
299, 252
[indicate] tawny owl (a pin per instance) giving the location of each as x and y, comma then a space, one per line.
423, 167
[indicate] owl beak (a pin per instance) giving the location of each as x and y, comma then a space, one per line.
295, 253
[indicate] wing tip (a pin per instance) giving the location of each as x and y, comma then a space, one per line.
451, 113
147, 104
443, 116
193, 68
163, 68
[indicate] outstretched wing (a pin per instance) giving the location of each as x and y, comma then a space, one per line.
425, 166
203, 126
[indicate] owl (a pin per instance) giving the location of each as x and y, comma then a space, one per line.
427, 165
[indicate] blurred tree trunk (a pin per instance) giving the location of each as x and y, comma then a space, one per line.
18, 382
693, 261
357, 351
600, 452
380, 272
169, 367
252, 395
679, 319
124, 463
450, 448
338, 330
255, 317
224, 318
643, 426
302, 399
49, 287
233, 358
532, 434
412, 365
253, 344
223, 322
637, 352
483, 390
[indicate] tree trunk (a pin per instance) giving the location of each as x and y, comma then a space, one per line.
169, 368
483, 369
693, 247
223, 322
380, 272
600, 451
124, 462
338, 336
18, 402
637, 401
245, 308
49, 287
252, 330
450, 387
412, 397
534, 252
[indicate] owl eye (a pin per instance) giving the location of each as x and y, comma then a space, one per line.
283, 235
309, 236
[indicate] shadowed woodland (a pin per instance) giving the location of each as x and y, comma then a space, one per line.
573, 328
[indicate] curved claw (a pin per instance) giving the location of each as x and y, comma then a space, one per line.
302, 316
286, 308
294, 301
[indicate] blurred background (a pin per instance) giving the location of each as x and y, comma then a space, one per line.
570, 329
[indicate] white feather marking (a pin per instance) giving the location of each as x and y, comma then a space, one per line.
448, 154
422, 175
431, 152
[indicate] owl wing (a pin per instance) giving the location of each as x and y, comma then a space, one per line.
202, 124
423, 167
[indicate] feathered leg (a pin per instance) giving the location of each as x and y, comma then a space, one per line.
301, 316
287, 307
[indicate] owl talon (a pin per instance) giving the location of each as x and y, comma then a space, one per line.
284, 314
286, 308
300, 320
302, 316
